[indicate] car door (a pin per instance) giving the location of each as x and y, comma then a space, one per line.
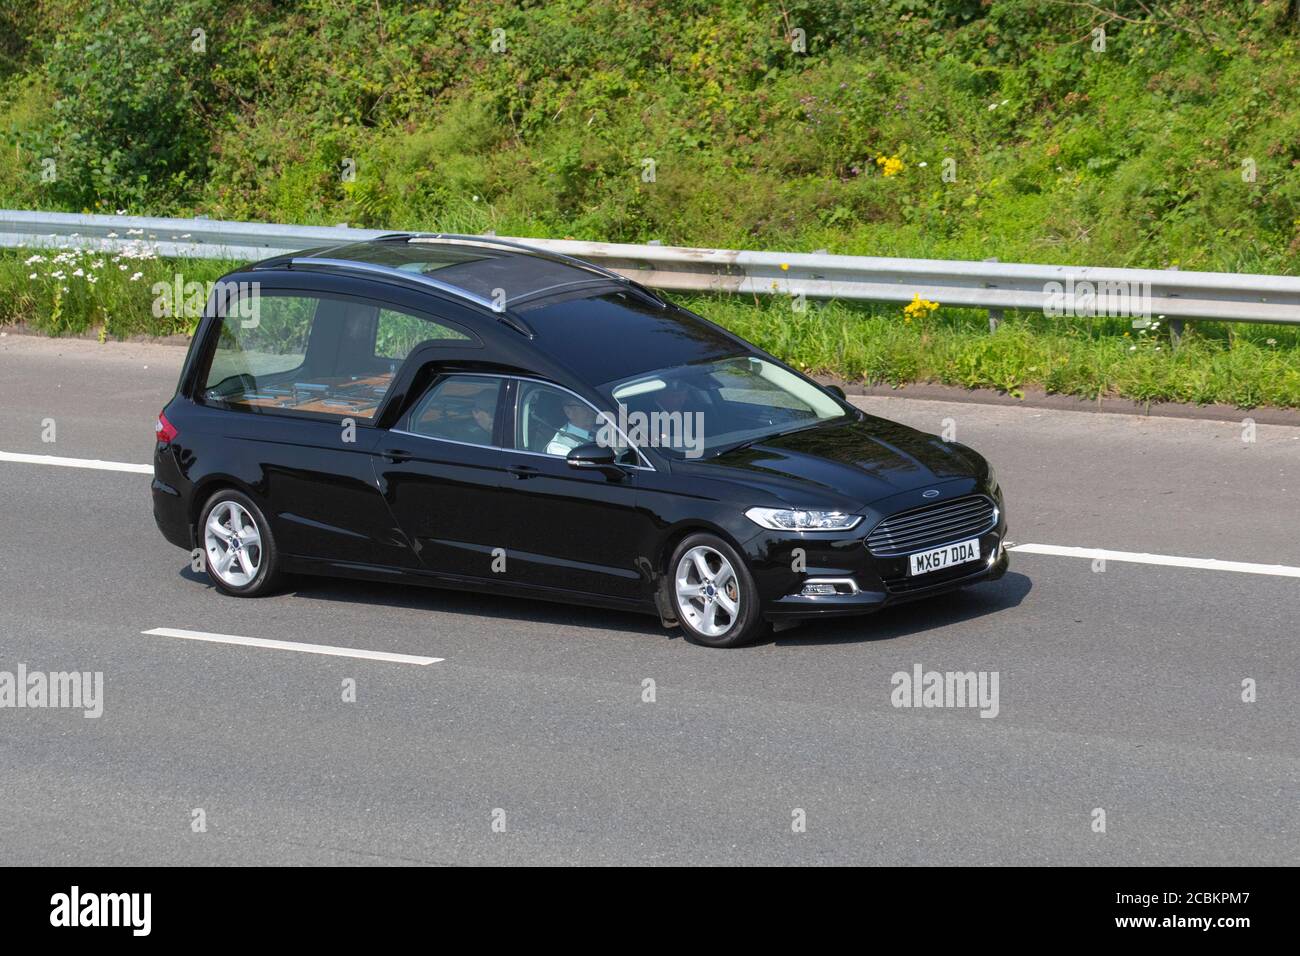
569, 528
443, 472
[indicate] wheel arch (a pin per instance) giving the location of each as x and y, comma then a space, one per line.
209, 485
675, 534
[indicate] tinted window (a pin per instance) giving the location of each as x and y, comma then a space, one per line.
269, 343
551, 421
459, 408
300, 354
399, 332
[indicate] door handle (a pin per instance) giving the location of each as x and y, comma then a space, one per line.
395, 455
523, 471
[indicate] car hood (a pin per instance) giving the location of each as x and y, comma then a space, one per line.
863, 461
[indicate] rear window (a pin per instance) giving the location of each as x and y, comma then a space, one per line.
400, 332
319, 356
271, 343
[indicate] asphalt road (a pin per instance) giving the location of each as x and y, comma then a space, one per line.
1118, 689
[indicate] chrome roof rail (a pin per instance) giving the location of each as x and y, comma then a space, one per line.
577, 263
419, 278
351, 265
558, 289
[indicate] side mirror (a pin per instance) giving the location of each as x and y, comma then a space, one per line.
837, 392
593, 455
590, 455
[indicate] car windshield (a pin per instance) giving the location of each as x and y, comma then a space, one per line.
695, 411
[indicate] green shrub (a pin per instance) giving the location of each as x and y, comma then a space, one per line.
126, 126
1131, 157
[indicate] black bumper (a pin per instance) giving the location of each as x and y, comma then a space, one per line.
798, 607
171, 508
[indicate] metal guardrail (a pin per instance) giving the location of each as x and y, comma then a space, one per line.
996, 286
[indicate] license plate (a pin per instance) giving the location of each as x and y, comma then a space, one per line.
936, 559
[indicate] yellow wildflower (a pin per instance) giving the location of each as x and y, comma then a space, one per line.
918, 308
890, 165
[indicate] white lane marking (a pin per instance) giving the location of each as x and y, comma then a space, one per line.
293, 646
1132, 557
76, 462
1169, 560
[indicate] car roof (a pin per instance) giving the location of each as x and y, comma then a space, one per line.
601, 325
492, 273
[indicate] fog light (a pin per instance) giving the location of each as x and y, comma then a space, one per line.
810, 589
820, 587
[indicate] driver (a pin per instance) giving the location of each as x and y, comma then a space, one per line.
580, 429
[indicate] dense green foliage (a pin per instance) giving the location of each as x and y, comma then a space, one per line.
1137, 155
1236, 365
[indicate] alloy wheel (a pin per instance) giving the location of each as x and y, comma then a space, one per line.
708, 593
233, 544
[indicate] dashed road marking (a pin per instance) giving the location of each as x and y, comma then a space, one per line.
293, 646
1090, 554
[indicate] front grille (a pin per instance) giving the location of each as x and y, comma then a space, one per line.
933, 525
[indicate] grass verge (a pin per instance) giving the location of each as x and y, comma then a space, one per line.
65, 292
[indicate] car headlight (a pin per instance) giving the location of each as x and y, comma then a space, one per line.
798, 519
993, 480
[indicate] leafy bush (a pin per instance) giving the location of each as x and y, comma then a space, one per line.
1136, 156
130, 92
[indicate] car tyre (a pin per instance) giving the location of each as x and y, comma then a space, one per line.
713, 593
239, 552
